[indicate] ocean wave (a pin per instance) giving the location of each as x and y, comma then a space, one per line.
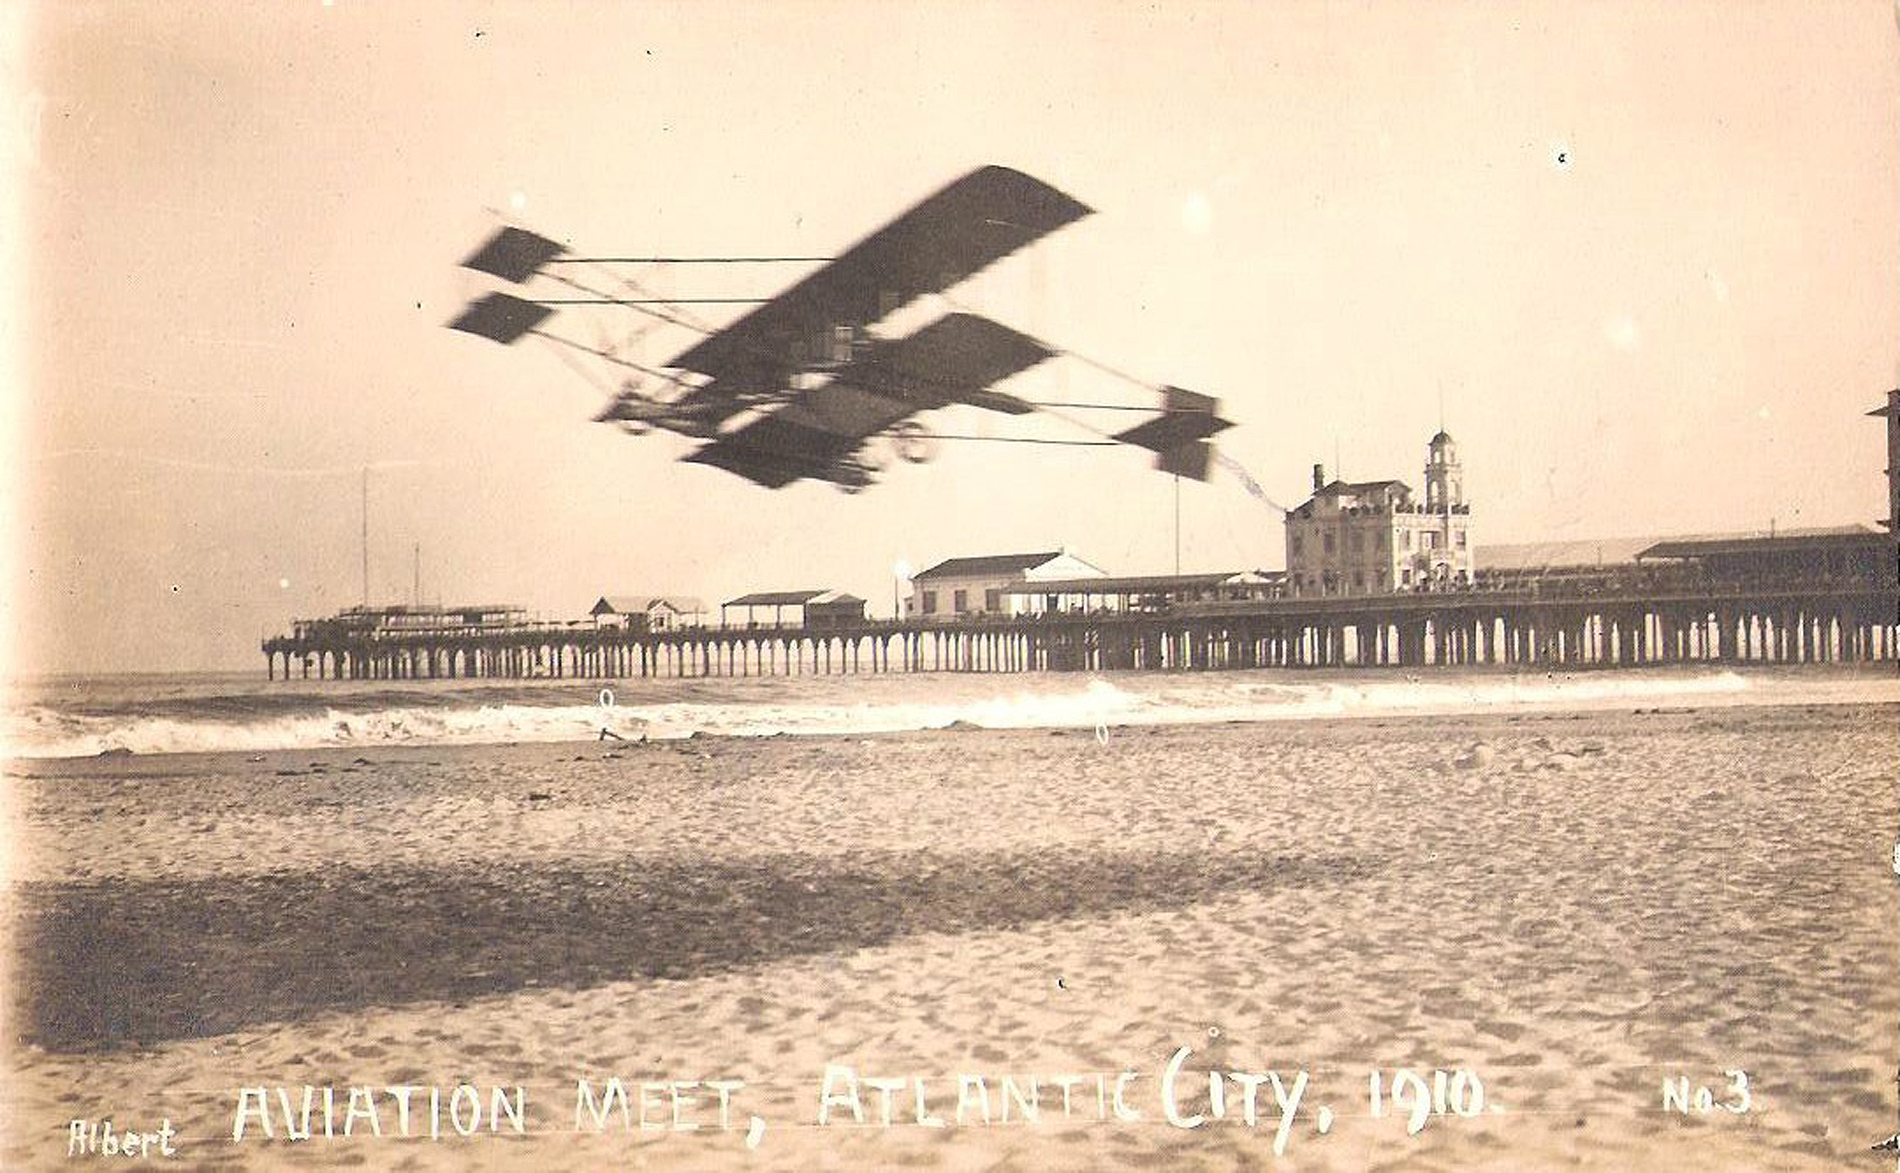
258, 722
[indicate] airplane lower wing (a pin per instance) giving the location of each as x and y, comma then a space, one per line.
761, 466
953, 360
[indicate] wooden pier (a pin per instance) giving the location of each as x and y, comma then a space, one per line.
1573, 624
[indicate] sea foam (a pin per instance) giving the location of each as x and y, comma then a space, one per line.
257, 720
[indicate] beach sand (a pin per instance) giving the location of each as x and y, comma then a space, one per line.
1576, 907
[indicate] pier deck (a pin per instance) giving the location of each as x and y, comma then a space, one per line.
1572, 624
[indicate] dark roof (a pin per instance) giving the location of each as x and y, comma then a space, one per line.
1829, 538
774, 599
1891, 407
986, 564
1443, 437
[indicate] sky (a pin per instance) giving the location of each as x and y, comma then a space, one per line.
1642, 261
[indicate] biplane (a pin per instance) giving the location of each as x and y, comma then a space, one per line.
801, 385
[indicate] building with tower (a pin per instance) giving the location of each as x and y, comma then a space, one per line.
1373, 537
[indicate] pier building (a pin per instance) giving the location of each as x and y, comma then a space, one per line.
1147, 593
406, 619
778, 601
1853, 553
648, 612
980, 585
809, 608
834, 609
1374, 537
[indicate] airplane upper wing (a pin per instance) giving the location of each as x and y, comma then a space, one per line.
962, 229
953, 360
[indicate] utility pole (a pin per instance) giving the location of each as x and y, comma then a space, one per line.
1177, 525
366, 537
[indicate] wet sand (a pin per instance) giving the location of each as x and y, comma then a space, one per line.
1574, 906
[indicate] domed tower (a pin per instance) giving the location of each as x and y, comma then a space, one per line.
1444, 477
1446, 557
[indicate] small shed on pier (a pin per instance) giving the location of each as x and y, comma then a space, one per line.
778, 601
648, 612
834, 609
